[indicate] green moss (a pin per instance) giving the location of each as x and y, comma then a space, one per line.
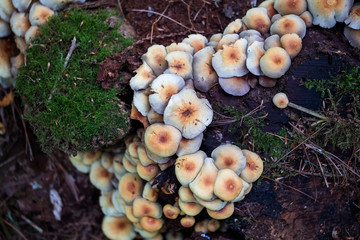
66, 107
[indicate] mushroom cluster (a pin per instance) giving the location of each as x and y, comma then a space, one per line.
19, 23
352, 30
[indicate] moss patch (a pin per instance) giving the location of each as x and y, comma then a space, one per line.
67, 109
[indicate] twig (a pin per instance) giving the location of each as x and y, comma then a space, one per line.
196, 15
322, 171
297, 190
72, 48
15, 229
156, 13
11, 158
28, 145
120, 7
157, 20
37, 228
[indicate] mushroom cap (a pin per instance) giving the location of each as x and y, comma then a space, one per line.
154, 117
235, 26
150, 193
292, 44
180, 63
21, 44
143, 78
251, 36
196, 41
226, 40
145, 208
213, 205
267, 82
107, 161
100, 177
236, 86
107, 206
254, 167
275, 17
155, 58
280, 100
252, 80
244, 189
285, 7
269, 6
147, 172
186, 195
204, 74
353, 36
254, 52
180, 47
275, 62
187, 221
128, 164
16, 63
327, 12
57, 5
228, 185
213, 225
223, 213
272, 41
190, 208
156, 158
39, 14
231, 60
117, 228
307, 18
118, 202
130, 215
189, 146
170, 211
229, 156
201, 226
31, 33
141, 102
203, 184
163, 87
216, 37
19, 23
289, 24
162, 139
6, 9
143, 157
188, 113
353, 20
258, 19
151, 224
22, 5
78, 163
4, 29
118, 166
187, 167
130, 186
132, 150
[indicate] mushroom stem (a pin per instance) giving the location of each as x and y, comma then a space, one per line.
308, 111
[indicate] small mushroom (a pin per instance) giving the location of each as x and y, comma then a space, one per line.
100, 177
292, 44
147, 172
269, 6
235, 26
285, 7
267, 82
251, 36
307, 18
187, 167
187, 221
151, 224
79, 164
130, 186
275, 62
272, 41
353, 20
154, 117
189, 146
143, 78
236, 86
201, 226
19, 23
145, 208
31, 33
4, 29
289, 24
228, 185
117, 228
107, 206
254, 52
39, 14
186, 195
258, 19
6, 9
180, 47
190, 208
180, 63
226, 40
214, 205
223, 213
22, 5
353, 36
155, 58
196, 41
229, 156
143, 157
216, 37
254, 167
171, 212
150, 193
213, 225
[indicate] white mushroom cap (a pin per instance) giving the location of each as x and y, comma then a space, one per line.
280, 100
216, 37
213, 205
289, 24
6, 9
100, 177
144, 76
197, 41
180, 47
19, 23
307, 18
107, 206
141, 102
235, 26
275, 62
117, 228
21, 5
258, 19
275, 17
353, 36
241, 195
31, 33
155, 58
39, 14
231, 61
188, 146
229, 156
187, 167
204, 74
163, 87
4, 29
227, 39
353, 20
251, 36
272, 41
254, 52
269, 6
285, 7
236, 86
180, 63
56, 5
188, 113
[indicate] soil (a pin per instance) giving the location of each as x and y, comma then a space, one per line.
290, 207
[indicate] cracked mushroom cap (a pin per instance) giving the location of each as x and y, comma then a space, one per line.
117, 228
100, 177
6, 9
258, 19
353, 36
187, 167
251, 36
292, 44
289, 24
4, 29
353, 20
180, 47
275, 62
19, 23
254, 167
229, 156
235, 26
162, 140
143, 78
130, 186
307, 18
213, 205
285, 7
228, 185
327, 12
223, 213
22, 5
151, 224
31, 33
162, 88
254, 52
196, 41
269, 6
189, 146
226, 40
145, 208
190, 208
204, 74
236, 86
280, 100
203, 184
180, 63
39, 14
188, 113
231, 60
155, 58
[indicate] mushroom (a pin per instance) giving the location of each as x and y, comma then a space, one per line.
292, 44
79, 164
186, 195
196, 41
190, 208
189, 146
353, 20
154, 117
180, 63
117, 228
228, 185
253, 168
307, 18
129, 165
4, 29
118, 166
130, 186
204, 74
231, 60
254, 52
289, 24
188, 113
244, 189
151, 224
91, 157
187, 167
280, 100
155, 58
216, 37
275, 62
100, 177
174, 235
187, 221
107, 161
258, 19
21, 44
171, 212
16, 63
31, 33
285, 7
144, 76
19, 23
143, 157
213, 205
272, 41
107, 206
226, 40
269, 6
267, 82
229, 156
201, 226
118, 202
150, 193
223, 213
235, 26
353, 36
6, 9
180, 47
213, 225
147, 172
22, 5
130, 215
275, 17
39, 14
251, 36
145, 208
236, 86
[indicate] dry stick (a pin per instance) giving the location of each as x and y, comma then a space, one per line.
196, 15
120, 7
153, 12
295, 189
36, 227
72, 48
322, 171
15, 229
157, 20
188, 13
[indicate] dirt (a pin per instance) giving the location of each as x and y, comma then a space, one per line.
291, 207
